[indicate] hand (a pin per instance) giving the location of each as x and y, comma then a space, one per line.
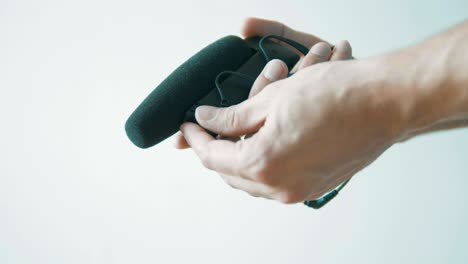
320, 51
275, 70
319, 127
313, 130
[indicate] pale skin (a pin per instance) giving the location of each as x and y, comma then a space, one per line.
333, 117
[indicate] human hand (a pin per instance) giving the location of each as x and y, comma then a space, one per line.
313, 131
320, 51
317, 128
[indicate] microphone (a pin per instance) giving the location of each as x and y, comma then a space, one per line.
198, 81
162, 112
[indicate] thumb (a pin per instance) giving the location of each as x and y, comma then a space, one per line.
237, 120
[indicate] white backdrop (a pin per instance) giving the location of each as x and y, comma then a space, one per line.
74, 190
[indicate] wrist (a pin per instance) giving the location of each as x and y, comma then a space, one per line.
389, 95
424, 85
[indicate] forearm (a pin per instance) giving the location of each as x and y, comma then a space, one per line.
430, 82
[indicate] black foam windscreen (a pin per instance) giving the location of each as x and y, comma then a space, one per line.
161, 113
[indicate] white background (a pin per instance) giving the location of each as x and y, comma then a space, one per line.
74, 190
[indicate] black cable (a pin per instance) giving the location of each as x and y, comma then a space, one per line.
301, 48
320, 202
224, 100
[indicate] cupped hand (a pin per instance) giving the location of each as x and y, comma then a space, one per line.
312, 131
316, 129
320, 51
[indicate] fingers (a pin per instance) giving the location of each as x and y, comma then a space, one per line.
320, 52
342, 51
237, 120
219, 155
273, 71
180, 142
253, 26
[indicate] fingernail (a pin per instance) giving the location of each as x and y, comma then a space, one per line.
205, 112
274, 70
321, 49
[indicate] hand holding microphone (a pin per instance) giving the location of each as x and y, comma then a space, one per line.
276, 70
249, 172
221, 76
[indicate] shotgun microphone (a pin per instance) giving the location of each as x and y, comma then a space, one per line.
219, 75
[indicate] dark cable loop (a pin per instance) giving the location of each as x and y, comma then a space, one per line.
301, 48
224, 100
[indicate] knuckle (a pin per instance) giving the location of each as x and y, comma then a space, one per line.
282, 29
232, 117
263, 172
310, 59
258, 166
